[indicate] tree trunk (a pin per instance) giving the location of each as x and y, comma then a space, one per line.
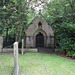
6, 34
20, 34
17, 33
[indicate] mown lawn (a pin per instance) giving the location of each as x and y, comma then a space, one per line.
37, 64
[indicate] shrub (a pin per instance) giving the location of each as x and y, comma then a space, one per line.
65, 35
73, 55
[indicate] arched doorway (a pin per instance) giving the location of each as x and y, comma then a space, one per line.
39, 40
43, 34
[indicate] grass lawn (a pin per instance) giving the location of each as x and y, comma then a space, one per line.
37, 64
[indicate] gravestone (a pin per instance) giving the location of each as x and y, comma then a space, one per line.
22, 46
16, 63
1, 43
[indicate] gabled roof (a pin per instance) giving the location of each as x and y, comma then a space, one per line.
40, 16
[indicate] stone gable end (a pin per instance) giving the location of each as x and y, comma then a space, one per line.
32, 28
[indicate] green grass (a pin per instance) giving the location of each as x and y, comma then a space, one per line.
37, 64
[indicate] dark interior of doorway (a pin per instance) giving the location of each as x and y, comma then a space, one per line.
39, 40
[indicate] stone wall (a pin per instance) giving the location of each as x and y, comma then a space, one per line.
1, 43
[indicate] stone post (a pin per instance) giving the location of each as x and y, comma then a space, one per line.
22, 46
16, 63
1, 43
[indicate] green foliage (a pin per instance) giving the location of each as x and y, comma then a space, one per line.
13, 18
60, 11
73, 55
68, 53
61, 16
65, 36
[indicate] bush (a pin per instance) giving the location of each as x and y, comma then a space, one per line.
73, 55
65, 36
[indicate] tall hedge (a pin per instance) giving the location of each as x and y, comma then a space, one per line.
65, 36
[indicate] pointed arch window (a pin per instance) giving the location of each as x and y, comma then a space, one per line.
39, 25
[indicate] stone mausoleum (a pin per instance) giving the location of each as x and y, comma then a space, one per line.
39, 34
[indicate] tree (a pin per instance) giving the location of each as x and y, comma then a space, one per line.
13, 17
61, 16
